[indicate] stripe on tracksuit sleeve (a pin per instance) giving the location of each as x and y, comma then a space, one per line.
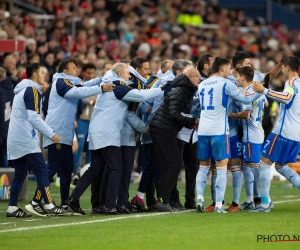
63, 86
120, 91
32, 99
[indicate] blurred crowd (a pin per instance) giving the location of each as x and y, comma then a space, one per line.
107, 31
111, 30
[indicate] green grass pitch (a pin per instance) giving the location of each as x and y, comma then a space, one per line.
185, 230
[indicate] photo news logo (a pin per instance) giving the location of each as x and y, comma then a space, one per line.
264, 238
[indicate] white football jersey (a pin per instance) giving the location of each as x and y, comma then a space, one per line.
288, 123
232, 107
214, 93
252, 128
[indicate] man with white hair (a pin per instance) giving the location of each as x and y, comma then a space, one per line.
105, 136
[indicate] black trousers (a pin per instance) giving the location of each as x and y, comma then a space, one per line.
112, 157
188, 152
95, 188
150, 176
60, 160
3, 154
35, 162
170, 163
127, 162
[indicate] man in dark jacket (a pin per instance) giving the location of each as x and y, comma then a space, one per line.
170, 118
6, 100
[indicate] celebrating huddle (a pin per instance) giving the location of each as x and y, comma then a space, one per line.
281, 146
225, 109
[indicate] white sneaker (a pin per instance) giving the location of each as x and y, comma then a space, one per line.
36, 209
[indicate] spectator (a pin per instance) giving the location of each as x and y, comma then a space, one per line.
10, 64
6, 101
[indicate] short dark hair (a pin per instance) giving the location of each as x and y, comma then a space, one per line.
64, 64
202, 61
293, 62
246, 72
88, 66
239, 57
31, 68
32, 55
137, 62
219, 61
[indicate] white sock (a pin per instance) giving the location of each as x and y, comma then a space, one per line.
34, 203
219, 204
57, 180
221, 182
49, 206
200, 197
201, 180
11, 209
249, 199
140, 195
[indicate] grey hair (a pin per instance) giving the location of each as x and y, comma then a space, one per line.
2, 74
180, 65
119, 67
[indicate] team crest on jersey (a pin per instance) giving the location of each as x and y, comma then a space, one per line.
58, 146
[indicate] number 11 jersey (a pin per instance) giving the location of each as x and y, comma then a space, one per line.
213, 93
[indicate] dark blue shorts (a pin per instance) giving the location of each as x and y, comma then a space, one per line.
235, 148
252, 152
281, 150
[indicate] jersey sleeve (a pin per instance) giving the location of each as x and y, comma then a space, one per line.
233, 91
135, 95
120, 91
93, 82
135, 122
32, 98
67, 90
63, 86
258, 77
283, 97
244, 106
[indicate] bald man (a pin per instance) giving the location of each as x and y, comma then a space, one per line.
187, 140
170, 118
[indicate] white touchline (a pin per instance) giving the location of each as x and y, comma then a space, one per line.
87, 222
277, 202
105, 220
